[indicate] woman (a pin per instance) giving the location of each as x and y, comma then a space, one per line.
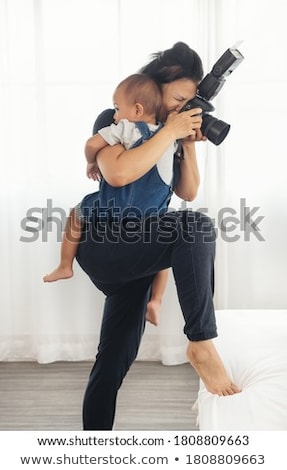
123, 249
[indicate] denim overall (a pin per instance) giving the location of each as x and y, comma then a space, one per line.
122, 264
147, 195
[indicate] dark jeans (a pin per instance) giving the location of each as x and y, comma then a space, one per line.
121, 259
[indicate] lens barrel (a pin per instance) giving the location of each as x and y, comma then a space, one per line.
214, 129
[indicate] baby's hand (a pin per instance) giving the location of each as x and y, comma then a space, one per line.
93, 172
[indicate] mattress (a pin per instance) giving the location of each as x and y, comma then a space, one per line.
253, 346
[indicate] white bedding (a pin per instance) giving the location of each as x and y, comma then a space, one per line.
253, 346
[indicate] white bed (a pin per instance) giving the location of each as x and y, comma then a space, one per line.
253, 346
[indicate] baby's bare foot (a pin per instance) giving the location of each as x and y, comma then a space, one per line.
152, 312
58, 273
205, 359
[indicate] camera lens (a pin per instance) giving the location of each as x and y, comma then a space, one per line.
214, 129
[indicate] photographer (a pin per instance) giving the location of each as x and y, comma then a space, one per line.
124, 271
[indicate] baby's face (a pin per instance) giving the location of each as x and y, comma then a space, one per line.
123, 108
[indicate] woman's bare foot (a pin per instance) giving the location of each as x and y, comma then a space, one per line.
152, 312
59, 273
206, 361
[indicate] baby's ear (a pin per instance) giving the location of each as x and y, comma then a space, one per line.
139, 109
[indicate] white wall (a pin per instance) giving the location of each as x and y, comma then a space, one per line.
60, 61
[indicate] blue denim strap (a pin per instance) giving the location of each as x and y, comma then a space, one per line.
145, 131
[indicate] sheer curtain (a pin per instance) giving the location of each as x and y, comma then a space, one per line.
60, 61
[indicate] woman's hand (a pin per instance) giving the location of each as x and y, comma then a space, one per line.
196, 137
185, 124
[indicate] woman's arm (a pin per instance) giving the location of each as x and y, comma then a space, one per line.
189, 178
120, 167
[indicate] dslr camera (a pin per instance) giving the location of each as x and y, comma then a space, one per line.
214, 129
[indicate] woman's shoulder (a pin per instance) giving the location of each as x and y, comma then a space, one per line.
104, 119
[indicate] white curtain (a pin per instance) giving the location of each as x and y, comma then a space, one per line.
59, 63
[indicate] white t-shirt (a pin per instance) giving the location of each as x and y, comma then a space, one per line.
127, 134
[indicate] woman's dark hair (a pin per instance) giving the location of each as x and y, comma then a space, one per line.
172, 64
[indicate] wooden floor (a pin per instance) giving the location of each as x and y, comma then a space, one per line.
49, 396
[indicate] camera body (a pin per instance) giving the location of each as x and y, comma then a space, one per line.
214, 129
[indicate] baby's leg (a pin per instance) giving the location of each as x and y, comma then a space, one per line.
158, 288
71, 238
